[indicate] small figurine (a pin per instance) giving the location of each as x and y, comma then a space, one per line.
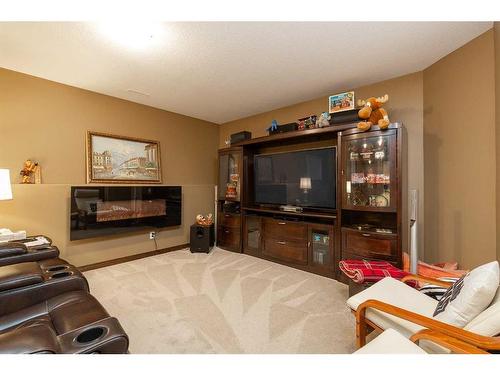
307, 122
311, 122
273, 127
205, 221
28, 169
301, 124
323, 120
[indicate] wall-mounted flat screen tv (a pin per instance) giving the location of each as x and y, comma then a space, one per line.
104, 210
304, 178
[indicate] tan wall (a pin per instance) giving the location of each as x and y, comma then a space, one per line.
48, 121
405, 105
459, 149
497, 130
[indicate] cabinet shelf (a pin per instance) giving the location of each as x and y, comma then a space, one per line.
371, 183
301, 214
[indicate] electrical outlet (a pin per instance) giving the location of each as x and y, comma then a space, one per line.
152, 235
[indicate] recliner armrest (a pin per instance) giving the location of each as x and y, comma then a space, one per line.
483, 342
9, 249
30, 255
32, 339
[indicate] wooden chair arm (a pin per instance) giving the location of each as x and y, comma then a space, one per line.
428, 280
484, 342
455, 345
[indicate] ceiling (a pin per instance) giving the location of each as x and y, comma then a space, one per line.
222, 71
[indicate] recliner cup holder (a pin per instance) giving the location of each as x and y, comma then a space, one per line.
58, 275
57, 268
91, 335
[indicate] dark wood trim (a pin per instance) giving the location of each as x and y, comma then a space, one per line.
320, 215
355, 130
130, 258
296, 134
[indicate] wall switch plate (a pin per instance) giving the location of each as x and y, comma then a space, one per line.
152, 235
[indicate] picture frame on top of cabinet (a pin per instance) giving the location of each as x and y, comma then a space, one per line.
341, 102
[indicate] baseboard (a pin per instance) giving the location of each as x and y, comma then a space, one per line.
130, 258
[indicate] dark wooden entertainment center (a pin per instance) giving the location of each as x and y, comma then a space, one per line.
368, 222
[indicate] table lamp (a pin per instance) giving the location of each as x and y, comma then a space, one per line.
305, 186
5, 188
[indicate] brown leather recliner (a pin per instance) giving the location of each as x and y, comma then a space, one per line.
45, 307
26, 284
73, 322
17, 252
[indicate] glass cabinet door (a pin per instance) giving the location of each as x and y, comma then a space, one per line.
229, 176
369, 171
252, 235
320, 246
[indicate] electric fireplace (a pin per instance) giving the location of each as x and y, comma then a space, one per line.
105, 210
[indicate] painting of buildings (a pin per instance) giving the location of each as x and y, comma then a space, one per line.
122, 159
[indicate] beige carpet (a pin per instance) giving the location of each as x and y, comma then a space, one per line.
224, 302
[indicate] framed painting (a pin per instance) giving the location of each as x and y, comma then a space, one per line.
341, 102
119, 159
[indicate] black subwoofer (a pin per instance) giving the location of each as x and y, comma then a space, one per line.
202, 238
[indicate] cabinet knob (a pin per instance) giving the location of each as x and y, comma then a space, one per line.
366, 235
281, 223
281, 242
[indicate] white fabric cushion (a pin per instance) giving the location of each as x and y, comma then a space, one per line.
487, 323
479, 288
394, 292
390, 342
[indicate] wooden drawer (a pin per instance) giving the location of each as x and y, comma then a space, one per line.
369, 245
347, 255
229, 220
228, 237
284, 230
289, 251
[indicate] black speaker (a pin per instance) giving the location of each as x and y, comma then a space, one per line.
202, 238
240, 137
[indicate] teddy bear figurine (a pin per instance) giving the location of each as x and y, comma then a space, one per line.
205, 221
28, 168
373, 113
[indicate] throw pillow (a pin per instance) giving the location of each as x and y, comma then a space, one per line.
435, 291
469, 296
449, 295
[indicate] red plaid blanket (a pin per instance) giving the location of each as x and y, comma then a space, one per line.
362, 271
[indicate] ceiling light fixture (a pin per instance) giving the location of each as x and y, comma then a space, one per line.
133, 34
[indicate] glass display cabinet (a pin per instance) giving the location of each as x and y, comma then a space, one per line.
230, 174
228, 199
369, 171
371, 194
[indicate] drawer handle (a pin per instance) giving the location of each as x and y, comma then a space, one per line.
281, 242
226, 231
281, 223
366, 235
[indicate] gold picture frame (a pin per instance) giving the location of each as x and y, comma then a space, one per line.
120, 159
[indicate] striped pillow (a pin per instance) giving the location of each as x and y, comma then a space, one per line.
435, 291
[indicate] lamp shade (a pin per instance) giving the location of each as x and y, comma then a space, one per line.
305, 183
5, 189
